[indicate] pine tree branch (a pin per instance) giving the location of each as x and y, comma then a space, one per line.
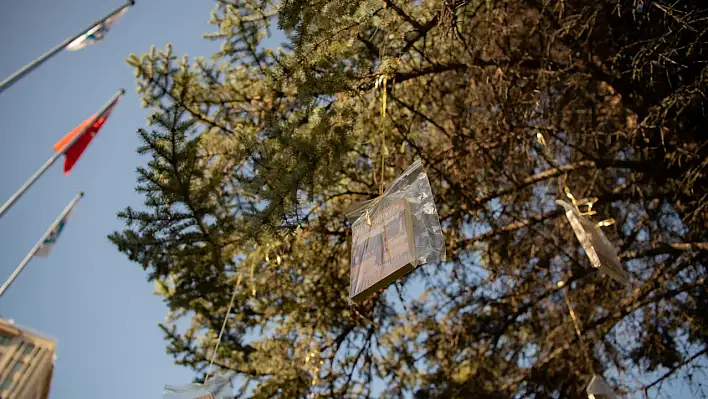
540, 217
529, 221
421, 33
401, 77
417, 25
369, 45
673, 370
364, 347
548, 174
198, 356
663, 249
631, 304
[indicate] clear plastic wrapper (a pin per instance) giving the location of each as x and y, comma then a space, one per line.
394, 233
598, 248
218, 387
598, 389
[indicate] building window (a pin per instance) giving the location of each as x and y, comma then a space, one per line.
5, 340
5, 385
28, 349
17, 367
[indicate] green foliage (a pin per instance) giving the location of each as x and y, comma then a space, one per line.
255, 155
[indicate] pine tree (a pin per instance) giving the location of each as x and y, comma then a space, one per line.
255, 155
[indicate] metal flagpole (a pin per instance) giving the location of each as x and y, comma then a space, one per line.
39, 61
56, 156
39, 243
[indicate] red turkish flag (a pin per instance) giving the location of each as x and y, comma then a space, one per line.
72, 154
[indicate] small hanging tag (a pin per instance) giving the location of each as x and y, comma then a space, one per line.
597, 247
540, 139
218, 387
382, 248
598, 389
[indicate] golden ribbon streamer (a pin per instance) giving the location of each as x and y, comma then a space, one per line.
589, 202
383, 135
576, 324
253, 287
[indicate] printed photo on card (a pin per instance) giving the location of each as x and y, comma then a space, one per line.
382, 248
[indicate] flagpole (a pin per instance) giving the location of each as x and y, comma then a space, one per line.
56, 156
44, 57
39, 243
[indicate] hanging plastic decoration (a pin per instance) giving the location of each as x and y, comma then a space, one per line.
597, 247
218, 387
394, 233
598, 389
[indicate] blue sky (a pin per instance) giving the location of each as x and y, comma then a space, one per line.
86, 294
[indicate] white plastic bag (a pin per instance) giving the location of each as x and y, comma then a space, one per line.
218, 387
394, 233
598, 248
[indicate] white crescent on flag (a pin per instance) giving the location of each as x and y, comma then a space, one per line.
49, 242
95, 34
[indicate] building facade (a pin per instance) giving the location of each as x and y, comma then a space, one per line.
26, 363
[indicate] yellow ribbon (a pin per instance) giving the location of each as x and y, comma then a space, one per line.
589, 202
381, 82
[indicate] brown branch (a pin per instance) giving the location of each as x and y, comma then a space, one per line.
554, 172
547, 174
666, 249
540, 217
432, 69
421, 33
630, 304
417, 25
675, 369
198, 356
531, 220
369, 45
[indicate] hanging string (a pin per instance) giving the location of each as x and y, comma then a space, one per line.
384, 150
380, 84
383, 134
577, 203
576, 324
223, 327
228, 312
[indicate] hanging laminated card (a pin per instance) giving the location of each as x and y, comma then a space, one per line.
598, 389
382, 248
597, 247
394, 233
